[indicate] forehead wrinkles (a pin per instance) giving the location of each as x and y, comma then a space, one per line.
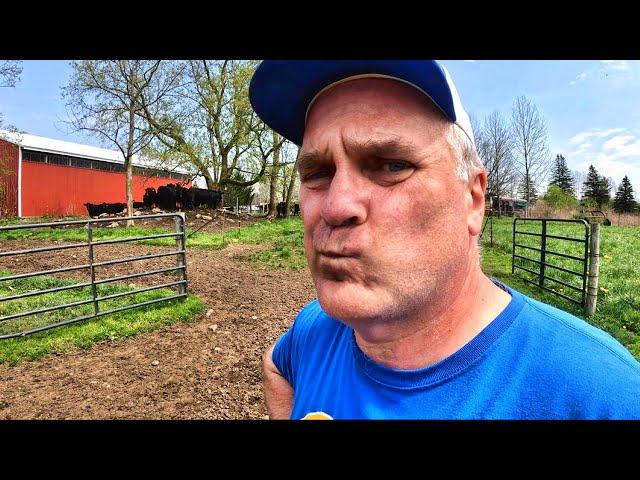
366, 123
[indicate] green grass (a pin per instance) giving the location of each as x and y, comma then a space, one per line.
287, 250
83, 334
282, 237
618, 309
260, 232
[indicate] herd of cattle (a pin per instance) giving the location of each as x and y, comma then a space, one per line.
281, 208
169, 198
174, 197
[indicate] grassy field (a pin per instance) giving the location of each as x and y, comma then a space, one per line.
261, 232
618, 310
83, 334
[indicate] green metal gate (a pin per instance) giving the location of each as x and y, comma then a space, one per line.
572, 265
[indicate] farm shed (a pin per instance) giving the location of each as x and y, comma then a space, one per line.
43, 176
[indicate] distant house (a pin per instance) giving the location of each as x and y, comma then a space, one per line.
509, 206
43, 176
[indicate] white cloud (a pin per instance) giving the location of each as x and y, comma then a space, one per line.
594, 133
616, 65
579, 78
611, 155
470, 61
619, 72
617, 143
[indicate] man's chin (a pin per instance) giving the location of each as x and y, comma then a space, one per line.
349, 302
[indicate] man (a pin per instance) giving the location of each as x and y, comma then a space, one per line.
406, 324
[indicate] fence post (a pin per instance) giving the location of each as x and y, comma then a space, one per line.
92, 269
180, 244
594, 268
491, 229
513, 252
543, 248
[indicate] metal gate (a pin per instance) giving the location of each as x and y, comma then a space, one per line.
542, 273
180, 268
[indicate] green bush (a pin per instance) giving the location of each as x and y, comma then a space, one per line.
556, 198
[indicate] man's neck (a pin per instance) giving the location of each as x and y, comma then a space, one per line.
442, 330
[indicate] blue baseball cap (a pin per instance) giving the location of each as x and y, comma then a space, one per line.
282, 91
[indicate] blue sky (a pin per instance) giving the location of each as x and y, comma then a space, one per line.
592, 108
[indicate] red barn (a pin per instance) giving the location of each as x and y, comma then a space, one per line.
42, 176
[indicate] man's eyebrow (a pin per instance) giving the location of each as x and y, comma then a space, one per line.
380, 146
307, 159
371, 146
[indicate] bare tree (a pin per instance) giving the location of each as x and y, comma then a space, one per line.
290, 173
578, 179
530, 150
211, 125
497, 148
10, 71
274, 173
104, 98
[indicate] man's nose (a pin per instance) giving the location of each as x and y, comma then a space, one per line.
346, 201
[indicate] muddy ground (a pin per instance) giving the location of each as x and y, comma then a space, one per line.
209, 368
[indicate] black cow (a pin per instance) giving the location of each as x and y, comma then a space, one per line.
166, 197
172, 196
149, 198
281, 208
96, 210
204, 197
138, 205
296, 209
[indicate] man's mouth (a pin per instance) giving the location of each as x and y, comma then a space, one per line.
338, 254
330, 254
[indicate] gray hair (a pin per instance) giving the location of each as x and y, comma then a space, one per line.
467, 158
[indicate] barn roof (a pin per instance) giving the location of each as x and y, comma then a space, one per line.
62, 147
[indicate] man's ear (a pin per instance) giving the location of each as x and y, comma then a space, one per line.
476, 188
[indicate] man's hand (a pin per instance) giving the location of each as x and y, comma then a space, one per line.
277, 391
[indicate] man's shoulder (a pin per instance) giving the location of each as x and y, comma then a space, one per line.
575, 341
571, 367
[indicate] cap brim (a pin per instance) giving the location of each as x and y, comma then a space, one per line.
281, 90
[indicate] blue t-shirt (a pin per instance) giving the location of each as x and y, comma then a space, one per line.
533, 361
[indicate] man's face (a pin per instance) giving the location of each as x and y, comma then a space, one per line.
385, 217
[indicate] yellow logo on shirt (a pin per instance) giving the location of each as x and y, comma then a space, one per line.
317, 416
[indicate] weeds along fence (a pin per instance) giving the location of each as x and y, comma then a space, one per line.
46, 319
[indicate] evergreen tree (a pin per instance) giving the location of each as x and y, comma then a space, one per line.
604, 192
596, 188
624, 201
522, 192
242, 194
590, 185
561, 175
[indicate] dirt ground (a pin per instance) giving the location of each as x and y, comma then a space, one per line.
209, 368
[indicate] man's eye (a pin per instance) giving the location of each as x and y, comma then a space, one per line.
395, 166
315, 175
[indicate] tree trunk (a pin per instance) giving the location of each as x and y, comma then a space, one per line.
292, 183
284, 182
211, 184
129, 180
528, 188
273, 181
128, 161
